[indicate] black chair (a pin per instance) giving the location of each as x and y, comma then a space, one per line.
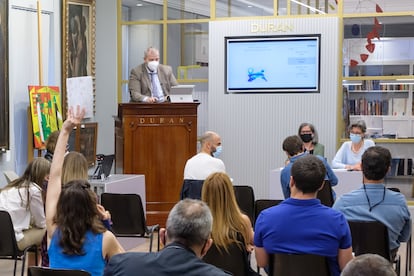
128, 217
298, 265
191, 189
8, 243
235, 260
372, 237
245, 200
46, 271
261, 204
325, 194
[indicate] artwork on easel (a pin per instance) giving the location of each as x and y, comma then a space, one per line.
46, 112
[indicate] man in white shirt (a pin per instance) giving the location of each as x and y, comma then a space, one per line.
201, 165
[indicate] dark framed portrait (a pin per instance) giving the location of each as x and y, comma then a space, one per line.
83, 139
4, 76
78, 42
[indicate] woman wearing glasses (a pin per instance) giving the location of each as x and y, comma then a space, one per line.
349, 154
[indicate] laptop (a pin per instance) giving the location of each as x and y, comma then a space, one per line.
104, 166
182, 93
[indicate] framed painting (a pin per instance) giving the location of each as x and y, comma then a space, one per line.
83, 139
4, 76
78, 42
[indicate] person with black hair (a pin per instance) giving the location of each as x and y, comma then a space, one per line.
301, 224
294, 149
374, 202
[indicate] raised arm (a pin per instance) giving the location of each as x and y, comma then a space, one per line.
55, 186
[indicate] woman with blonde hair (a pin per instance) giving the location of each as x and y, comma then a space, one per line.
230, 225
74, 166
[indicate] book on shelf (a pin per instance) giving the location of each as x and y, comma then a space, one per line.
372, 85
362, 106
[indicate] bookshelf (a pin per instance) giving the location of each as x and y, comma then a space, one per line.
381, 86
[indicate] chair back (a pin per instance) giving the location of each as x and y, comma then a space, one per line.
191, 189
8, 244
261, 204
325, 194
298, 265
10, 176
127, 213
370, 237
245, 200
46, 271
234, 260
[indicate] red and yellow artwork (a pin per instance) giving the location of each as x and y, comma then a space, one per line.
46, 112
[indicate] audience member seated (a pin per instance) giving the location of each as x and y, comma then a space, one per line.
374, 202
186, 239
229, 226
307, 132
200, 166
294, 149
22, 199
301, 224
350, 153
369, 265
76, 237
74, 167
51, 144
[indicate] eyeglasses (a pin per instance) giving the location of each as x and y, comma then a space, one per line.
356, 133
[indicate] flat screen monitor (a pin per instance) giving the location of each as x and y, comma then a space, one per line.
271, 64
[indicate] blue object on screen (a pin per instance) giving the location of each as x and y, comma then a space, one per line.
268, 64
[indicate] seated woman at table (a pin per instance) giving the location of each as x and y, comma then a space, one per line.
349, 154
309, 136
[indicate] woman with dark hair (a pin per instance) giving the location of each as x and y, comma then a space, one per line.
22, 199
51, 144
307, 132
77, 239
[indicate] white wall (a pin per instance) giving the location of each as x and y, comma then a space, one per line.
253, 126
23, 70
106, 74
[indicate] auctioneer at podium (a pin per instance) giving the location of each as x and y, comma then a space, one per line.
156, 140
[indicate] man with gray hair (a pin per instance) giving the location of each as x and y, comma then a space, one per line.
369, 265
186, 239
151, 81
201, 165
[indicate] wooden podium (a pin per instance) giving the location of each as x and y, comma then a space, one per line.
156, 140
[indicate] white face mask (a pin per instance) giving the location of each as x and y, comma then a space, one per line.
152, 65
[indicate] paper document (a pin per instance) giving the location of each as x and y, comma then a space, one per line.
80, 92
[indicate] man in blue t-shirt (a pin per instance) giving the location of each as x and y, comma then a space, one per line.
301, 224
